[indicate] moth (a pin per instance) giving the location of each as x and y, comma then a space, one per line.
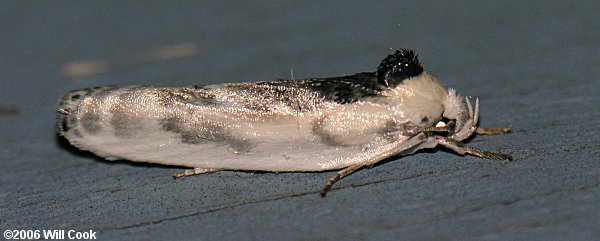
309, 125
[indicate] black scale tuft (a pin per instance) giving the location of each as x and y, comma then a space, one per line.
395, 68
403, 64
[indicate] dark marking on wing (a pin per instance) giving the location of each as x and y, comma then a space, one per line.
67, 110
196, 95
239, 146
91, 122
124, 125
326, 137
125, 120
392, 70
343, 89
205, 134
100, 90
346, 89
63, 123
67, 122
187, 136
172, 125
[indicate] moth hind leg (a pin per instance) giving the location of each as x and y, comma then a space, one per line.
376, 156
339, 175
194, 171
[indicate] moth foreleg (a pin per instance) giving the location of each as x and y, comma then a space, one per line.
462, 149
493, 131
195, 171
373, 156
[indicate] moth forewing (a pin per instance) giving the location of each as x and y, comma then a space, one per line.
319, 124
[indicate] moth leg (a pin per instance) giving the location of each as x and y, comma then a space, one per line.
470, 125
462, 149
195, 171
339, 175
493, 131
371, 157
437, 129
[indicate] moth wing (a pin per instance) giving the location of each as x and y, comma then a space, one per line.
283, 147
237, 127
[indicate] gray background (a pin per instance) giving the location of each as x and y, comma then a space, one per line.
535, 67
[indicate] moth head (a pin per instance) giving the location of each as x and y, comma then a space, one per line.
396, 67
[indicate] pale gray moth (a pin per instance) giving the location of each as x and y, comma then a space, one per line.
309, 125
